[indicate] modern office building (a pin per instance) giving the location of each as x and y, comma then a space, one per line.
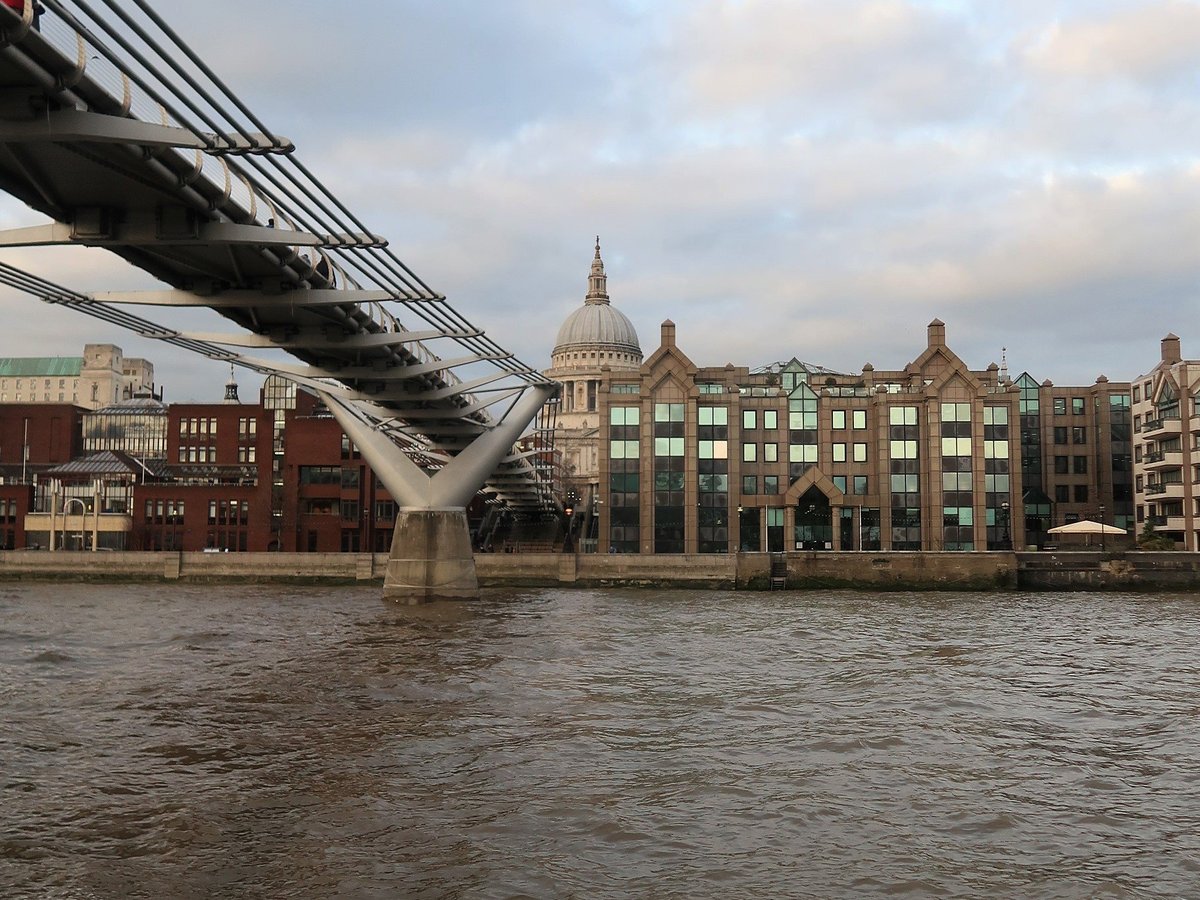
102, 376
931, 456
1166, 460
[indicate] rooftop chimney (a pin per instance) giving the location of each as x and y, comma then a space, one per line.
1170, 349
937, 333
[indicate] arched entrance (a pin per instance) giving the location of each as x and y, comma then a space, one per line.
814, 521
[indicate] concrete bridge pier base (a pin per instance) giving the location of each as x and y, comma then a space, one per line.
431, 555
431, 558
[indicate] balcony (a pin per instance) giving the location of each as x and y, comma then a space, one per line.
1169, 490
1168, 523
1169, 424
1163, 459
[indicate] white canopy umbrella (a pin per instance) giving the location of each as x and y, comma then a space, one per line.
1086, 526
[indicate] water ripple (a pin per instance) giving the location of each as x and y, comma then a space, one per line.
272, 742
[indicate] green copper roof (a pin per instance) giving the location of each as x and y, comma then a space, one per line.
35, 366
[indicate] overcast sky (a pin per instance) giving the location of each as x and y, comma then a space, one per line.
814, 178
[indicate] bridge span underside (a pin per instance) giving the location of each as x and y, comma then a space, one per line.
116, 132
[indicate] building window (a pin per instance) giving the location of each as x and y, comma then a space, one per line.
905, 466
1062, 493
1060, 434
957, 477
1061, 465
860, 485
1080, 465
749, 484
713, 480
770, 484
839, 453
623, 506
669, 475
1077, 406
749, 419
839, 482
802, 431
839, 419
770, 419
1060, 406
749, 452
1081, 493
858, 418
860, 452
770, 452
1078, 434
320, 474
1137, 395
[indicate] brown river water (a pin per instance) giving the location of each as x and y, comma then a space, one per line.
280, 742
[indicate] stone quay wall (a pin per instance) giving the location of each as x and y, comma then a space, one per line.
1086, 571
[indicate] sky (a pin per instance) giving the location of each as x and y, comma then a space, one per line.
809, 178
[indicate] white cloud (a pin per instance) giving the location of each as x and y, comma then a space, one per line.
1151, 43
816, 178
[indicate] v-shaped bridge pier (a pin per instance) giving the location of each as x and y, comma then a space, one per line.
123, 138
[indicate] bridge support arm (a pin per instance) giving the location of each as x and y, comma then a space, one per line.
457, 482
431, 556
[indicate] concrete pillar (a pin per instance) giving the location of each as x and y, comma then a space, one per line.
431, 558
53, 520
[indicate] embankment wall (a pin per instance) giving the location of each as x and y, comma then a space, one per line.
746, 571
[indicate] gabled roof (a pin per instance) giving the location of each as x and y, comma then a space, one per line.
106, 462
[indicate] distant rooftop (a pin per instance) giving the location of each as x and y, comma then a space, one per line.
36, 366
106, 462
141, 405
794, 365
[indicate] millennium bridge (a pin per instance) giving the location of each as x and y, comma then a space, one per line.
123, 138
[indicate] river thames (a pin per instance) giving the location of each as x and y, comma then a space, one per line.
281, 742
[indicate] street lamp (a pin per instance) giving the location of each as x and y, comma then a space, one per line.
1101, 527
1007, 541
568, 541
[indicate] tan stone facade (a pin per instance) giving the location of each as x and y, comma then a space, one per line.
99, 378
927, 457
1166, 418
